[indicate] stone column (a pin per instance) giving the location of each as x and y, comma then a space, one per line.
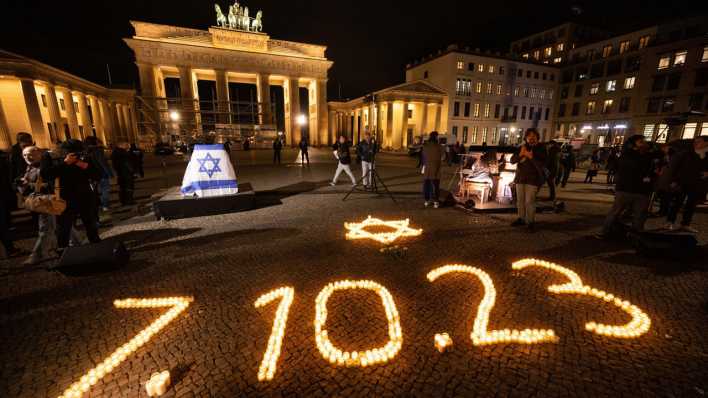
134, 122
400, 139
70, 112
96, 112
322, 120
438, 116
294, 98
118, 132
388, 137
109, 132
424, 120
333, 123
54, 114
33, 113
148, 82
222, 96
84, 115
190, 107
5, 140
263, 92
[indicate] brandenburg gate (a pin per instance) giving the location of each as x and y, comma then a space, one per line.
234, 51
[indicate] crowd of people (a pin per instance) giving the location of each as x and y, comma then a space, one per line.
74, 172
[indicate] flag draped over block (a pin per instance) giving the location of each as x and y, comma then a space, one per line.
209, 173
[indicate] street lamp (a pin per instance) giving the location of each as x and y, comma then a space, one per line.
174, 116
301, 120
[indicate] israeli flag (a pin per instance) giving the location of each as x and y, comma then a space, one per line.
209, 173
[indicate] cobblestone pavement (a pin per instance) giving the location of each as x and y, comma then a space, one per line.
54, 327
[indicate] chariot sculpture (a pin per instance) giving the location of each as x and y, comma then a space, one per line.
238, 18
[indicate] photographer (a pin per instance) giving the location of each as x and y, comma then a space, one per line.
530, 159
74, 174
366, 150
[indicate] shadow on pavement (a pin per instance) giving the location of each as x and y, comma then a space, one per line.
274, 197
141, 240
664, 266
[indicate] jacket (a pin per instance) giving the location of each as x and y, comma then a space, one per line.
74, 181
686, 169
530, 171
366, 150
123, 164
634, 172
432, 159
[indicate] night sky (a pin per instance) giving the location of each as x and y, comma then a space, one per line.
370, 42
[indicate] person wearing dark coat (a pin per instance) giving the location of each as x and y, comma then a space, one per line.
304, 145
277, 147
634, 185
75, 175
688, 179
432, 155
138, 158
567, 163
7, 197
530, 159
366, 151
123, 164
553, 166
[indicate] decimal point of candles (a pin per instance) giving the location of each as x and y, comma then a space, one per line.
357, 358
401, 229
636, 327
480, 335
178, 304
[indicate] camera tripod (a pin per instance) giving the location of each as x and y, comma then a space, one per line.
374, 180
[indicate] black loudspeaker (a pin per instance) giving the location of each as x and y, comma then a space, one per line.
93, 258
662, 244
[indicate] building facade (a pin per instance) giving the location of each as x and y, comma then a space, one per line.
553, 45
54, 105
397, 116
490, 99
222, 55
640, 82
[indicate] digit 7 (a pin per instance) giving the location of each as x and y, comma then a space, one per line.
269, 364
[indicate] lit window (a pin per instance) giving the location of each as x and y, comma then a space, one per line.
485, 130
526, 91
680, 58
478, 87
704, 129
547, 52
662, 133
594, 88
474, 134
516, 91
606, 51
624, 46
541, 93
464, 134
489, 87
499, 89
611, 85
704, 57
649, 131
560, 47
629, 83
537, 54
607, 106
460, 65
689, 131
643, 42
590, 108
486, 110
476, 110
480, 67
491, 68
550, 94
664, 62
525, 56
557, 60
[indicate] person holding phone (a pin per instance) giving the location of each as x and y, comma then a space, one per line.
530, 159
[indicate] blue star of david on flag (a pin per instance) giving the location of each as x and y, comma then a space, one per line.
214, 161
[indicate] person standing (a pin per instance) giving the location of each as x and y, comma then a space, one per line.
432, 155
139, 157
567, 163
7, 198
688, 178
633, 187
45, 245
277, 147
96, 152
123, 164
553, 166
611, 166
304, 145
594, 167
344, 159
74, 176
366, 150
530, 159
